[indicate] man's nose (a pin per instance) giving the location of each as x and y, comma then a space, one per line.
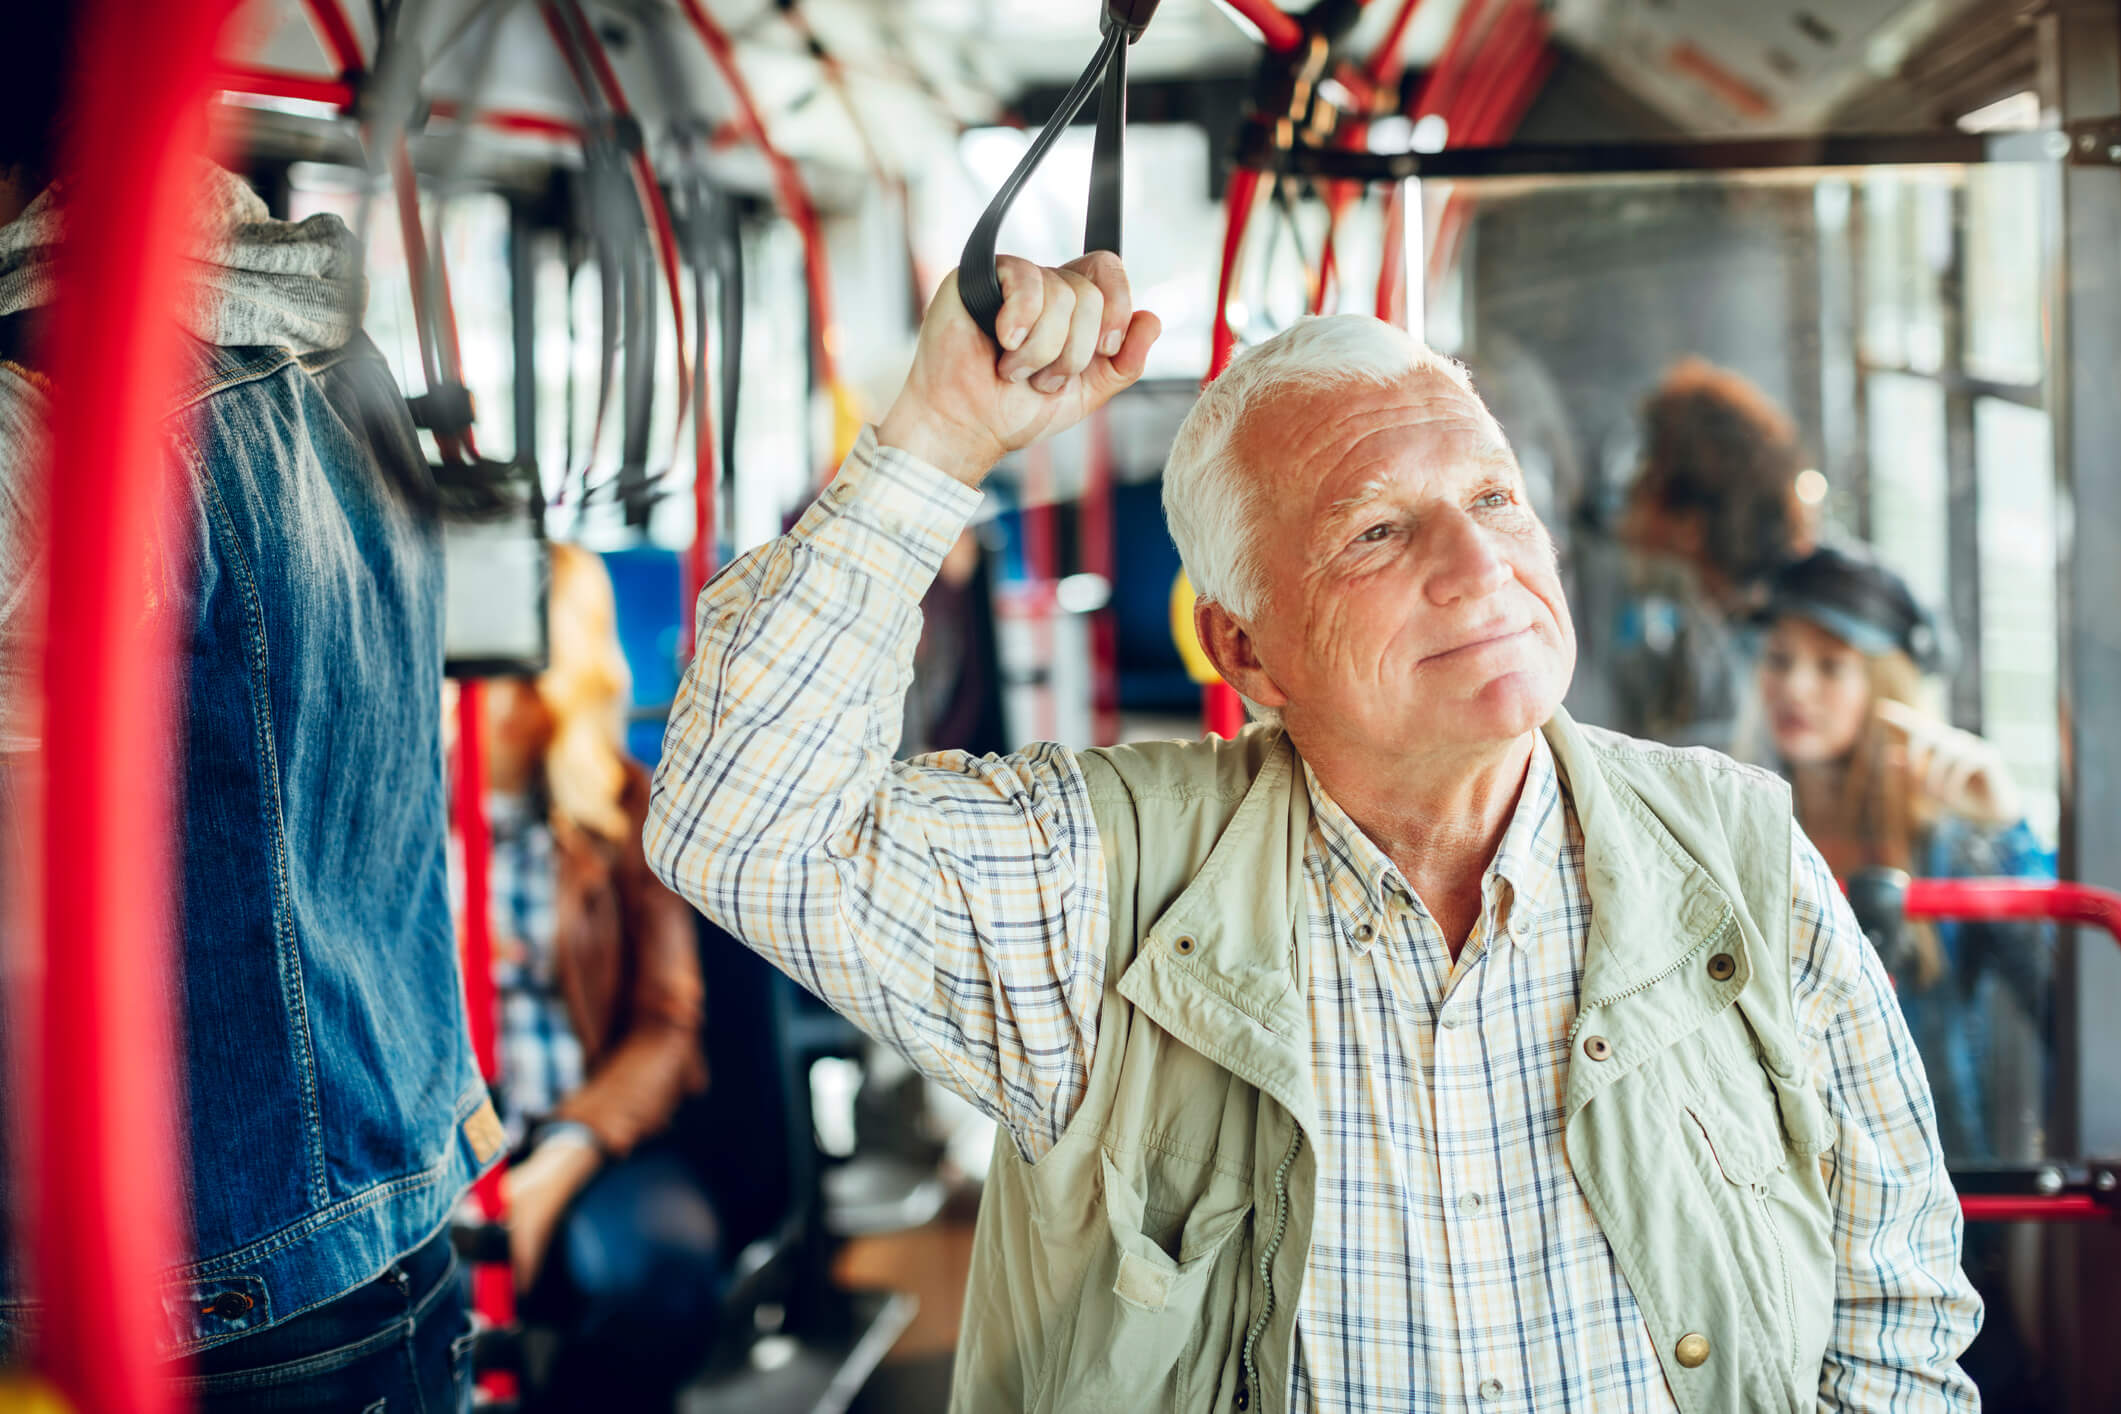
1464, 561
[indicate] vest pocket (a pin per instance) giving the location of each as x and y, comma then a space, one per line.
1150, 1331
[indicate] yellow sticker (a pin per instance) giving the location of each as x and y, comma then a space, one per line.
483, 1129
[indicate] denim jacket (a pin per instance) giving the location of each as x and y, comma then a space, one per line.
333, 1111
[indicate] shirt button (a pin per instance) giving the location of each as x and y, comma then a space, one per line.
1469, 1207
1451, 1020
1491, 1389
1364, 932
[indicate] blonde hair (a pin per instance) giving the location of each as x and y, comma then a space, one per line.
585, 689
1878, 817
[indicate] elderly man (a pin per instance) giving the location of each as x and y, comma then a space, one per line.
1420, 1049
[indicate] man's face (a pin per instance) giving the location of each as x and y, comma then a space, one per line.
1412, 603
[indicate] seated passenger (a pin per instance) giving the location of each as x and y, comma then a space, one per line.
1420, 1048
611, 1234
1881, 782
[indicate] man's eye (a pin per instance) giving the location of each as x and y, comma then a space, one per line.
1374, 534
1495, 499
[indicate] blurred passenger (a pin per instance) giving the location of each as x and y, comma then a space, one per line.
1717, 498
1881, 782
612, 1236
333, 1112
1418, 1048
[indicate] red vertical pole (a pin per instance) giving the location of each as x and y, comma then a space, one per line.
1221, 711
493, 1284
102, 1135
1100, 558
1244, 186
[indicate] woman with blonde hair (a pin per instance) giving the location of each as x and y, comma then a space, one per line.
613, 1239
1881, 782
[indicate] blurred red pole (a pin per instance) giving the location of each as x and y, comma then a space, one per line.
1221, 711
1094, 527
1244, 186
492, 1283
102, 1152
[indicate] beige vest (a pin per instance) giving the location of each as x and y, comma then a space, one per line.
1153, 1260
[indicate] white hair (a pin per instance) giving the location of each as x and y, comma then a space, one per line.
1209, 500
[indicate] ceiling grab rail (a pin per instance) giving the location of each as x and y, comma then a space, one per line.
979, 283
101, 1153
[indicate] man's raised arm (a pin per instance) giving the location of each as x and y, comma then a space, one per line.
952, 907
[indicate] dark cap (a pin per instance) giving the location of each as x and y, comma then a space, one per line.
1845, 591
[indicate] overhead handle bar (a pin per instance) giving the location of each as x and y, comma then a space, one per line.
979, 282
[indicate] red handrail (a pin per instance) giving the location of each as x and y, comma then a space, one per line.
2014, 898
2026, 900
1280, 32
102, 1136
2034, 1208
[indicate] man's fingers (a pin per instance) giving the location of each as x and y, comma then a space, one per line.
1084, 327
1105, 270
1143, 330
1023, 300
1048, 335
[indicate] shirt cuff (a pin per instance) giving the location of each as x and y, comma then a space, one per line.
888, 514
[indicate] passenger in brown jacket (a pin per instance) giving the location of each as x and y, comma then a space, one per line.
613, 1239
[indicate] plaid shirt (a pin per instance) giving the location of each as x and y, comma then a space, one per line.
954, 908
541, 1057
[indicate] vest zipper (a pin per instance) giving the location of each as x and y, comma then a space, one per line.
1645, 983
1249, 1373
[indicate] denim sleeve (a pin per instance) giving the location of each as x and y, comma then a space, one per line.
952, 907
1903, 1310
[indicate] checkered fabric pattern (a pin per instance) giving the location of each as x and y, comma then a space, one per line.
541, 1057
954, 908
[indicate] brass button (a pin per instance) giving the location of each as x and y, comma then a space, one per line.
1692, 1350
1184, 944
1596, 1048
1723, 967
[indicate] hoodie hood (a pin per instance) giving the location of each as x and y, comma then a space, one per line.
254, 281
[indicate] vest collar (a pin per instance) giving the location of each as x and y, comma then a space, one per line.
1226, 969
1652, 904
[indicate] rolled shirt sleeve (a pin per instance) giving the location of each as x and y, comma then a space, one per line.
951, 906
1903, 1309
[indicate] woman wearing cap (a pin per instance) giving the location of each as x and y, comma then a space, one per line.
1881, 782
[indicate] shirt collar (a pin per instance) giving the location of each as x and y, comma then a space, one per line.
1361, 880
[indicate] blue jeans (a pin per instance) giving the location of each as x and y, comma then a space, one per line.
400, 1344
631, 1286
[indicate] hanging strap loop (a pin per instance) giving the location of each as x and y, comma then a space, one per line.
979, 283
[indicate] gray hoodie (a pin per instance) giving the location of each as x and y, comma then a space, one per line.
251, 281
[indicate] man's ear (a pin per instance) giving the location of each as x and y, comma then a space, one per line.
1230, 648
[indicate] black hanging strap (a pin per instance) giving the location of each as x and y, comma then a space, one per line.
979, 284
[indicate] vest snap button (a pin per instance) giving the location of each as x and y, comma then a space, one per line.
1184, 945
1722, 967
1597, 1048
1692, 1350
